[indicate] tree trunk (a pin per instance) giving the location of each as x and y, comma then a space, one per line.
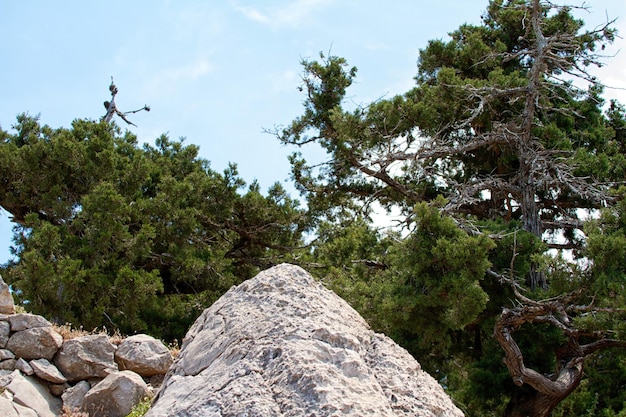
532, 223
527, 145
545, 392
534, 404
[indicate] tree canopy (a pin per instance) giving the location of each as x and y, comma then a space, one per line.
507, 133
137, 239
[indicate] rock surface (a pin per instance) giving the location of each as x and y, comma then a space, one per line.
35, 343
47, 371
115, 395
7, 305
143, 354
73, 397
281, 344
31, 393
86, 357
23, 321
32, 353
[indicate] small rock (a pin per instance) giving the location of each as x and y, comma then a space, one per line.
47, 371
58, 389
144, 355
24, 366
86, 357
8, 365
35, 343
6, 354
116, 395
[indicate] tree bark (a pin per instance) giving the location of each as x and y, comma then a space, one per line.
547, 392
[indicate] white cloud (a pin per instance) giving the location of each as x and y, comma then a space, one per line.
289, 15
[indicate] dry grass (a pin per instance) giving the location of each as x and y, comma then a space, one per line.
68, 332
174, 348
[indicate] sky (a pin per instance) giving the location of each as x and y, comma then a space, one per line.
222, 73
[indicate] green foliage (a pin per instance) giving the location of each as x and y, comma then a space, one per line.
141, 408
517, 153
137, 239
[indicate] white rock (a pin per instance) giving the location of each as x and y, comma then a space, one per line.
281, 344
7, 409
144, 355
24, 411
6, 354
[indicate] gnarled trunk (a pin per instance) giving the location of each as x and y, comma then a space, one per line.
537, 403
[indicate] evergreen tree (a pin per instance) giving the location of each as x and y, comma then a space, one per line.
497, 135
137, 239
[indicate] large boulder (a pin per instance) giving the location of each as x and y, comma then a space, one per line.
281, 344
115, 395
86, 357
143, 354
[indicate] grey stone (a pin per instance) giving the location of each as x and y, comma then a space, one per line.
58, 389
86, 357
8, 364
6, 354
144, 355
5, 332
35, 343
115, 395
7, 305
73, 396
29, 392
282, 344
24, 366
23, 321
47, 371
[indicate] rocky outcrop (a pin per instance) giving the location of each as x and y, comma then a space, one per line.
281, 344
40, 374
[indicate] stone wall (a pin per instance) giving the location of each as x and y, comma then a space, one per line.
42, 375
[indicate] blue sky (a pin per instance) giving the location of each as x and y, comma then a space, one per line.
220, 72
